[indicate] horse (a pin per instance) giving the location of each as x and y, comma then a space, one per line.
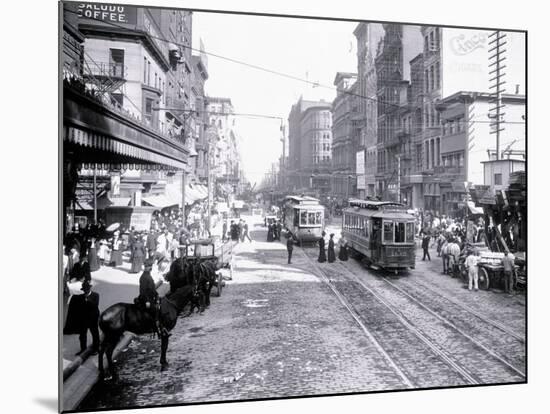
452, 250
201, 275
206, 280
121, 317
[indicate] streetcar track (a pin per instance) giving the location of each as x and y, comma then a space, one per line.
492, 322
357, 319
455, 367
497, 325
494, 354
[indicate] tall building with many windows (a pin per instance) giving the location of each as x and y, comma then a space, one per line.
368, 36
345, 135
400, 44
457, 60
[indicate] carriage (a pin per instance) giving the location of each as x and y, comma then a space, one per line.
381, 233
304, 216
204, 250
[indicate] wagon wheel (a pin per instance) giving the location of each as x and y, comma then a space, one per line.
483, 278
220, 284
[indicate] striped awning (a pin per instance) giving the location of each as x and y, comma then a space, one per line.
104, 143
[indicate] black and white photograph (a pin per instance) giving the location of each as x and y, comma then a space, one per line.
259, 206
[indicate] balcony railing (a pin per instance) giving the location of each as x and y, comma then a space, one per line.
111, 70
78, 84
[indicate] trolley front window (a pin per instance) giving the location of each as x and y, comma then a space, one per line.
311, 218
388, 231
399, 233
410, 232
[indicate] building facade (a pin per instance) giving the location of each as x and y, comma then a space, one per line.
368, 36
316, 146
400, 44
468, 148
309, 144
345, 136
457, 60
113, 150
224, 147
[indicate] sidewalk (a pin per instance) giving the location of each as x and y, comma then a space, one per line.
113, 285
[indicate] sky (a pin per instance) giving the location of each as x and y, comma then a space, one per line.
304, 48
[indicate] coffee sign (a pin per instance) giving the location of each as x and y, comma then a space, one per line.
108, 12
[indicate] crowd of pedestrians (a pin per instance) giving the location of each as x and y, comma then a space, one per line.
237, 231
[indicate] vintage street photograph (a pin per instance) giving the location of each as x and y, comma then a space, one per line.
266, 206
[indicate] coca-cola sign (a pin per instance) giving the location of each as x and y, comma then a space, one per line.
463, 45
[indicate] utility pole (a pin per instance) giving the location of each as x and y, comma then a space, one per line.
399, 178
184, 218
498, 40
95, 195
209, 185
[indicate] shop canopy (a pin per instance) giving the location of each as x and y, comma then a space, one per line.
475, 210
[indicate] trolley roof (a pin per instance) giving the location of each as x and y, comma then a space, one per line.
389, 214
301, 199
374, 205
379, 209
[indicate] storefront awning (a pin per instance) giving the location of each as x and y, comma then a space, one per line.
104, 143
160, 201
473, 209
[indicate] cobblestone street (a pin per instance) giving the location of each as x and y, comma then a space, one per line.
278, 330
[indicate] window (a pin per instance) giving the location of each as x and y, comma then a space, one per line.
148, 109
437, 77
427, 80
410, 233
388, 231
432, 76
144, 69
498, 179
399, 232
118, 99
116, 62
296, 217
148, 73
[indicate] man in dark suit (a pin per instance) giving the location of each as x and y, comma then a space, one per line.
148, 296
289, 245
89, 317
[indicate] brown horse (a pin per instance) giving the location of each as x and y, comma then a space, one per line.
121, 317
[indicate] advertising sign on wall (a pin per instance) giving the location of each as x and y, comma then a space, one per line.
361, 182
108, 12
360, 162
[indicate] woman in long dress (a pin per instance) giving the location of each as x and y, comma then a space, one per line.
322, 254
138, 255
79, 273
331, 253
343, 252
93, 258
116, 254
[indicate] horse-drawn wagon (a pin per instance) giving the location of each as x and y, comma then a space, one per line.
205, 252
490, 268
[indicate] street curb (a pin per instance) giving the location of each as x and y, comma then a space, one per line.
81, 383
